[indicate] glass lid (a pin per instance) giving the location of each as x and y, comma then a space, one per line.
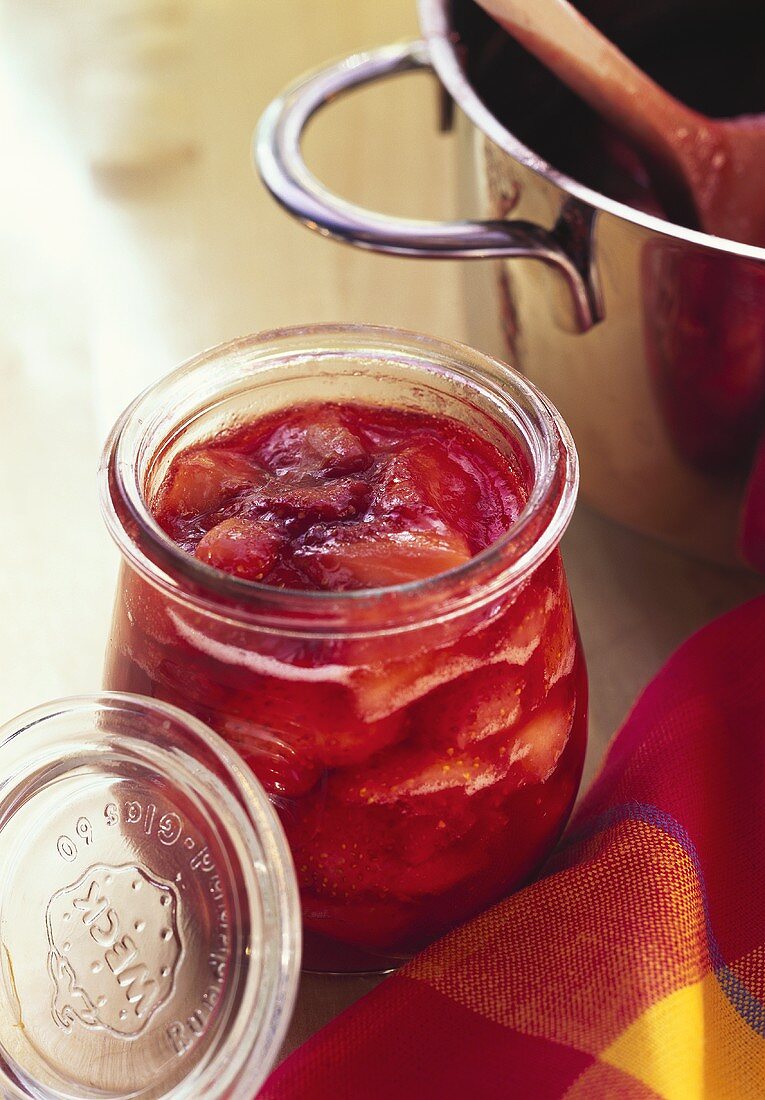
149, 915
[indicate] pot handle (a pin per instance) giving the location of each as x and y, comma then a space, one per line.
278, 157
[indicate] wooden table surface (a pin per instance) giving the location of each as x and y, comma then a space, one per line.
135, 233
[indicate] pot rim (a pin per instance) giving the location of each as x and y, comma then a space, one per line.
439, 35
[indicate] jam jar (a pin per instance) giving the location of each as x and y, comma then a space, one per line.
149, 913
422, 742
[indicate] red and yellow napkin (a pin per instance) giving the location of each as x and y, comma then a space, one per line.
634, 968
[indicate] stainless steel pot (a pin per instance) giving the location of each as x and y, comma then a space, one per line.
649, 337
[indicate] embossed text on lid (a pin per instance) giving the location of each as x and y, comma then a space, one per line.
149, 932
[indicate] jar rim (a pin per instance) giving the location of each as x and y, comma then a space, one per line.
502, 565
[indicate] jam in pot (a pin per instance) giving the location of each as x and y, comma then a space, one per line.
348, 567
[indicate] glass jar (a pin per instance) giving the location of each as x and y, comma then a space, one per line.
149, 913
422, 743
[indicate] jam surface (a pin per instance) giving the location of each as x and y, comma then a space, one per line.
421, 774
339, 497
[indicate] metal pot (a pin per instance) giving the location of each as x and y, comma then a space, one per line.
648, 336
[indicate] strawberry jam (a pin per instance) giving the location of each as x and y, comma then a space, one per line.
424, 748
340, 497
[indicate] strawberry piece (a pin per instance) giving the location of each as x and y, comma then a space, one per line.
421, 480
201, 481
473, 707
311, 499
346, 852
296, 691
417, 777
432, 483
376, 851
244, 547
559, 644
315, 443
503, 641
319, 719
542, 739
369, 558
417, 773
402, 486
